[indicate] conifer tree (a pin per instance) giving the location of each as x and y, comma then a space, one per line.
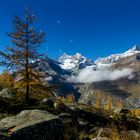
98, 99
23, 53
119, 104
108, 105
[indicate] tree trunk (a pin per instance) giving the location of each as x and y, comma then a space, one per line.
27, 61
27, 93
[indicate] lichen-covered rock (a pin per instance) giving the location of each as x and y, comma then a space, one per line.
104, 134
3, 115
31, 125
131, 134
7, 93
102, 138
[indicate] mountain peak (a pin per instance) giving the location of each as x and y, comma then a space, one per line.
132, 51
135, 48
66, 56
71, 61
78, 55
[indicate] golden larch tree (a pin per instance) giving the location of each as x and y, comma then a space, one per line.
23, 53
108, 105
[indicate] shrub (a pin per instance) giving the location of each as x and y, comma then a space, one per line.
10, 106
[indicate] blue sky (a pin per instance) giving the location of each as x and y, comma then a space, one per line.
95, 28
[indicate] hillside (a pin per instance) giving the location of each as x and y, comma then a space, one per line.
124, 87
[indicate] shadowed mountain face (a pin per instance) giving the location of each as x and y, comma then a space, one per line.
51, 69
54, 74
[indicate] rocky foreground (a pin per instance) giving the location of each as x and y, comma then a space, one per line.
70, 122
31, 124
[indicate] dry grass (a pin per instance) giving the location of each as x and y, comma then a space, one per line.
135, 112
124, 136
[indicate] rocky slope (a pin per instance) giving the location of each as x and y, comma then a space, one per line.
70, 122
51, 69
124, 88
31, 124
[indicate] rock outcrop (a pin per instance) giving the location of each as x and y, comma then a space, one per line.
31, 125
7, 93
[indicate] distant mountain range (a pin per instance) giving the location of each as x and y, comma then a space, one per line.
125, 66
70, 62
116, 57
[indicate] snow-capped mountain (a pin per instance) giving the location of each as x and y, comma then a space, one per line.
78, 61
115, 57
77, 66
69, 62
125, 88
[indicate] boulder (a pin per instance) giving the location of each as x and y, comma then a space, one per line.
7, 93
104, 134
3, 115
131, 134
102, 138
31, 124
134, 134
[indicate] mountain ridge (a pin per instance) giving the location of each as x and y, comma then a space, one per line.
124, 88
69, 62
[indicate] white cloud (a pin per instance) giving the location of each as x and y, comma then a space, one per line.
88, 75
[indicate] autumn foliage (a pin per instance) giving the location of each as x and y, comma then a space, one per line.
19, 57
70, 98
6, 80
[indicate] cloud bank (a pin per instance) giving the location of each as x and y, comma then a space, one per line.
88, 75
